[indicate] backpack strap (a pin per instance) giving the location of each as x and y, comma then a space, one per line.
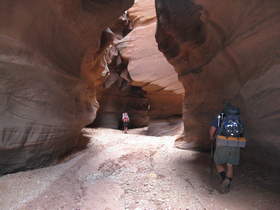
220, 119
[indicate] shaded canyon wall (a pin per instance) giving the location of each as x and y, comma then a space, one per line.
226, 51
50, 58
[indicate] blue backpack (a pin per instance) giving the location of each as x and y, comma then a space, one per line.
231, 125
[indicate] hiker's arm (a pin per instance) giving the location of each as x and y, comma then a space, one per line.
212, 132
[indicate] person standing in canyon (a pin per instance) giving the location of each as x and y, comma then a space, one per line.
125, 120
227, 131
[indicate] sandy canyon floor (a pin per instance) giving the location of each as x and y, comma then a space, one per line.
136, 172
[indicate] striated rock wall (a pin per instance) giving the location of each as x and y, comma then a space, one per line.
50, 64
147, 67
225, 50
139, 79
115, 93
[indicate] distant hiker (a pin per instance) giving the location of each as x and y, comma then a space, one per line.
125, 120
228, 131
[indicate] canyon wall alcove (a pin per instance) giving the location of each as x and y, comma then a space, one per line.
50, 57
226, 51
135, 61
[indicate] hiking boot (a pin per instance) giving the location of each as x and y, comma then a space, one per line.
225, 186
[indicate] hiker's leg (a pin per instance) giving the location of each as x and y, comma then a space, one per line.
221, 171
233, 160
233, 154
220, 168
125, 129
220, 162
225, 188
229, 171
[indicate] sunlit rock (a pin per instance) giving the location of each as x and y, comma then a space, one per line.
147, 67
49, 54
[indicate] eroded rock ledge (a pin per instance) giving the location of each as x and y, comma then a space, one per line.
50, 53
147, 66
115, 93
225, 50
139, 79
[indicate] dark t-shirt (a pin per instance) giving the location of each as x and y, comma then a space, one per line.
215, 122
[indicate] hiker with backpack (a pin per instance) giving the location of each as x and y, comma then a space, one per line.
125, 120
227, 131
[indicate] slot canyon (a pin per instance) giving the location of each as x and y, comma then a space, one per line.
70, 68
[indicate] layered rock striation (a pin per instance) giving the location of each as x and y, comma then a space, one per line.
147, 67
225, 51
115, 93
50, 57
139, 80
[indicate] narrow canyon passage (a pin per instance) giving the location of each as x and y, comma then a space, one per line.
70, 64
135, 171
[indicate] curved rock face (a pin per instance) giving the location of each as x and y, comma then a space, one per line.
115, 92
49, 51
225, 50
139, 79
147, 67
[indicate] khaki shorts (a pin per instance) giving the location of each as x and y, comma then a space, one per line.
225, 154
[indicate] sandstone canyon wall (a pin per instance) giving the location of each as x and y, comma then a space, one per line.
115, 93
50, 58
226, 51
140, 80
147, 67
